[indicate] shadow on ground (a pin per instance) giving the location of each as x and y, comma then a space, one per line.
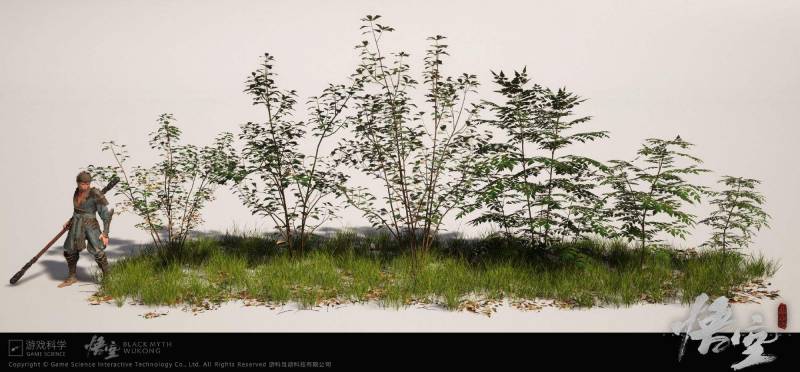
55, 266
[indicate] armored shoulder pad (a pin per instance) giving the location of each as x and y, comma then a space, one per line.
98, 196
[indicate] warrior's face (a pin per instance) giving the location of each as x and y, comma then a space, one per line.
83, 186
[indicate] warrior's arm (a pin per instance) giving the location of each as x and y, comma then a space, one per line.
105, 215
103, 211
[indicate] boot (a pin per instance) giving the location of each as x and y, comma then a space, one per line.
72, 265
102, 262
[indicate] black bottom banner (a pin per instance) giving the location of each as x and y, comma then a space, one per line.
348, 351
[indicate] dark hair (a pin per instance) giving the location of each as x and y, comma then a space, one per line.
83, 177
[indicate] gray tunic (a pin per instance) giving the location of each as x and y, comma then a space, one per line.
84, 226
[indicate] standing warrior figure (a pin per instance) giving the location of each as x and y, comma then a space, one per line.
83, 226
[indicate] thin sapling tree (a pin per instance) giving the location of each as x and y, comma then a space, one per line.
275, 178
422, 160
170, 195
657, 188
529, 184
739, 213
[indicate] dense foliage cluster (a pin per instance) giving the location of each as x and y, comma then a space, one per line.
433, 147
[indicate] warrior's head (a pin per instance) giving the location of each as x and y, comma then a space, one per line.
84, 180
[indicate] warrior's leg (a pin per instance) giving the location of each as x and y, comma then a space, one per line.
72, 265
102, 262
96, 248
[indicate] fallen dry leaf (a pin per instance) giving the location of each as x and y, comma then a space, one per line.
152, 314
752, 292
97, 299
